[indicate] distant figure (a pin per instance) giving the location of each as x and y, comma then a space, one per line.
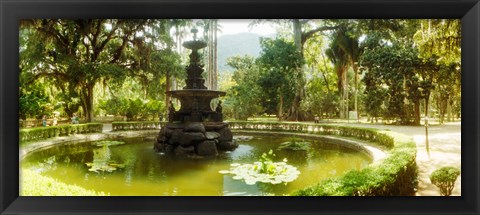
55, 120
74, 118
317, 119
219, 107
44, 121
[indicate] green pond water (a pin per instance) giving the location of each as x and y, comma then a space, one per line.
143, 172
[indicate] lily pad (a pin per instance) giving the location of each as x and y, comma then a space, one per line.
295, 146
242, 138
104, 167
280, 172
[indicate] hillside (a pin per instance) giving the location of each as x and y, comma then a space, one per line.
236, 44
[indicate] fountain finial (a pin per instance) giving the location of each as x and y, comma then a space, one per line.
194, 31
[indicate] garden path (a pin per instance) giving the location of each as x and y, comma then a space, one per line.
445, 150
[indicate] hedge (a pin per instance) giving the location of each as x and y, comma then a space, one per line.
30, 134
123, 126
368, 134
396, 175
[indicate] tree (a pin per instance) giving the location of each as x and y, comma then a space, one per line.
279, 78
81, 53
321, 97
347, 40
340, 59
244, 99
302, 30
392, 68
439, 45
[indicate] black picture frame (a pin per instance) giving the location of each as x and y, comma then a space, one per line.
11, 11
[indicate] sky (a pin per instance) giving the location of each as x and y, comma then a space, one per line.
235, 26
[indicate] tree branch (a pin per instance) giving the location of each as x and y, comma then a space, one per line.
310, 33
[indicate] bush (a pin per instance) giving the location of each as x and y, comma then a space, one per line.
444, 178
30, 134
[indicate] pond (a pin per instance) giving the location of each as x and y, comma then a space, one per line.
136, 170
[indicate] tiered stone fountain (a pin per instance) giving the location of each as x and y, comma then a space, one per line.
195, 129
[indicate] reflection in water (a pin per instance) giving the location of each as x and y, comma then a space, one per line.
148, 173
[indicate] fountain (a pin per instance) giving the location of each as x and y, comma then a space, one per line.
195, 129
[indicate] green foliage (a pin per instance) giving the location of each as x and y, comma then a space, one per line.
391, 79
396, 175
34, 103
243, 99
132, 108
295, 145
279, 62
444, 178
30, 182
76, 55
32, 134
265, 171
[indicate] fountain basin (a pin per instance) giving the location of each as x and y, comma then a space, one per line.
164, 175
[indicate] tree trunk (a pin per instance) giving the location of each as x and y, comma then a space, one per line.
417, 112
280, 108
426, 124
295, 112
345, 93
449, 111
88, 102
355, 69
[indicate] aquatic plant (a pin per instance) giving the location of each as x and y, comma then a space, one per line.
264, 171
295, 145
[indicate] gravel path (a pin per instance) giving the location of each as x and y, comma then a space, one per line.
445, 150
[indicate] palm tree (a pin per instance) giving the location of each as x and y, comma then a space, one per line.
348, 42
340, 60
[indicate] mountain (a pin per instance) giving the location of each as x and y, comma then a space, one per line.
236, 44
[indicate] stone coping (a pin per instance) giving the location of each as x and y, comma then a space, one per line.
31, 147
375, 153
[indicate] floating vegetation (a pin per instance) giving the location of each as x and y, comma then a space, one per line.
108, 143
104, 167
265, 171
295, 146
242, 138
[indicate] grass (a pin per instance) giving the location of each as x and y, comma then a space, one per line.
34, 184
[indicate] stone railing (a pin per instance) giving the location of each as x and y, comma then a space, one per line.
124, 126
372, 135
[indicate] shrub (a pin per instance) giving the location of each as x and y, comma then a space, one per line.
444, 178
30, 134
